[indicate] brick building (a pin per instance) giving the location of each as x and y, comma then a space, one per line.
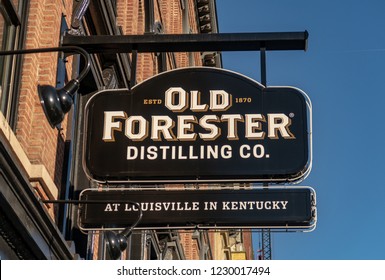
39, 163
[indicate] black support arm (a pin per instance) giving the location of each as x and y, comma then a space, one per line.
190, 42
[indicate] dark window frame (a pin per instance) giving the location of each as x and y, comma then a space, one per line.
16, 19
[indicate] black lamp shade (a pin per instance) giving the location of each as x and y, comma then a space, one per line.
57, 102
116, 243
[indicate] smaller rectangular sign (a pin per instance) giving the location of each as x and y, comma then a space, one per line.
185, 209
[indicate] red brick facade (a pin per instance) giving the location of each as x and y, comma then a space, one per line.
131, 18
44, 146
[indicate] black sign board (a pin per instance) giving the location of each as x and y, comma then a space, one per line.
220, 208
198, 124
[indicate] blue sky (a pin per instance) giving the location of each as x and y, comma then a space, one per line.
343, 72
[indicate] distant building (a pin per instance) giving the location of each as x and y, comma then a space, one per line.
40, 163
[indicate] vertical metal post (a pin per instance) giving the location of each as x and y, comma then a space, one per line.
134, 60
144, 250
266, 244
149, 18
266, 235
102, 246
129, 250
263, 66
90, 245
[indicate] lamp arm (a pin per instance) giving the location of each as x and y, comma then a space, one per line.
116, 243
76, 49
126, 232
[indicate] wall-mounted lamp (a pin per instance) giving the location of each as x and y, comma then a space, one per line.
116, 242
57, 102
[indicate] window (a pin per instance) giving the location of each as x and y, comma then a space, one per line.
13, 16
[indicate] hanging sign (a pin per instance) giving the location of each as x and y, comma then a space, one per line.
198, 124
220, 208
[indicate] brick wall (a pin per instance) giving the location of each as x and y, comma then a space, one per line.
189, 245
131, 18
42, 144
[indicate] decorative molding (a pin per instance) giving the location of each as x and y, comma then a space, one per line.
34, 172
